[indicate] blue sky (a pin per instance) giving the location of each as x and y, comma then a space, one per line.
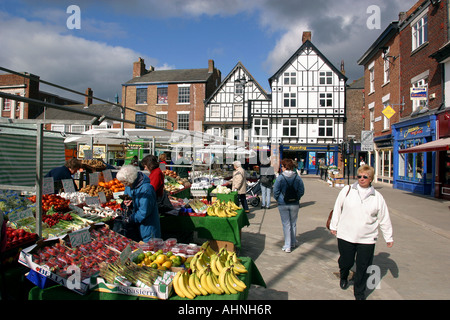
180, 34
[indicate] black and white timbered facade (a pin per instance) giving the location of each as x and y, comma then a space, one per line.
227, 109
307, 113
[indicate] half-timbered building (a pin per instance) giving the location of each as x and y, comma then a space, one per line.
307, 114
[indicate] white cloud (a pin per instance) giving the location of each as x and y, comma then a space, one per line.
66, 59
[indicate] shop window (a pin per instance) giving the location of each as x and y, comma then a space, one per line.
401, 163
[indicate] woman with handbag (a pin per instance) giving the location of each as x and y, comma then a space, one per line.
357, 214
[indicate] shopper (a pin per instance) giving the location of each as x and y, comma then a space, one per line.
64, 172
182, 172
355, 221
301, 166
267, 176
287, 191
143, 203
239, 184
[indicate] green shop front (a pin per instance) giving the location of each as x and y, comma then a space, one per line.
414, 171
311, 154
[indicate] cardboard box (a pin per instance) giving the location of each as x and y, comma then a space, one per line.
25, 258
160, 290
216, 245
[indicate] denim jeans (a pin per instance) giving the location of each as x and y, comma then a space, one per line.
289, 215
265, 196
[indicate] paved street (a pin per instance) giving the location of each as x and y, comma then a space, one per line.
415, 268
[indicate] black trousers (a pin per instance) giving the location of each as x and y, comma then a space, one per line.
363, 254
243, 200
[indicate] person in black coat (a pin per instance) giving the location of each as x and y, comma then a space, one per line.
267, 176
64, 172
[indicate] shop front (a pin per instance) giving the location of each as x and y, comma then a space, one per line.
312, 155
382, 159
414, 169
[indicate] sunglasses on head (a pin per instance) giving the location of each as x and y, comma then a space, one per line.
365, 177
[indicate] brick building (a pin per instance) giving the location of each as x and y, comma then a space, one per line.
25, 86
382, 90
163, 97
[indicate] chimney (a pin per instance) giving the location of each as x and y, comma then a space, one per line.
306, 36
210, 66
88, 100
139, 68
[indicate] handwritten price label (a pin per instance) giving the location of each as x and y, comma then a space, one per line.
79, 237
68, 185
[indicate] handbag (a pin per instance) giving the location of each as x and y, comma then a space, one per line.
331, 212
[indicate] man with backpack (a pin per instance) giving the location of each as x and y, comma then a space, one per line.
287, 191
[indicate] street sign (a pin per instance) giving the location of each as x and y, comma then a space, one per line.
366, 140
388, 112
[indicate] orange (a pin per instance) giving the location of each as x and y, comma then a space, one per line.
160, 259
167, 264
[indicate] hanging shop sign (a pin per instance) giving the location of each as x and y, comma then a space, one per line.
419, 94
388, 112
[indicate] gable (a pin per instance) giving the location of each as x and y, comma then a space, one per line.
307, 58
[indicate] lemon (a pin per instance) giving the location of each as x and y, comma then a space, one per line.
167, 264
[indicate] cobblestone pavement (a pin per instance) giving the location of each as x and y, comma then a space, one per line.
414, 269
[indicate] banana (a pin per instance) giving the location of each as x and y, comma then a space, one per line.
187, 287
199, 286
182, 286
200, 264
200, 272
229, 284
219, 265
193, 263
240, 285
222, 281
210, 251
238, 268
176, 286
193, 286
216, 282
213, 265
204, 283
211, 284
205, 258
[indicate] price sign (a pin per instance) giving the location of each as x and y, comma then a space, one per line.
107, 175
68, 185
79, 237
102, 197
16, 216
93, 178
48, 186
92, 201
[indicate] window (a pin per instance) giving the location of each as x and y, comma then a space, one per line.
140, 118
387, 66
7, 105
215, 111
162, 95
326, 77
238, 88
420, 32
238, 134
161, 121
238, 111
261, 127
325, 128
372, 119
326, 99
217, 132
141, 95
289, 127
290, 99
184, 94
183, 121
77, 128
58, 127
372, 80
386, 121
418, 105
290, 78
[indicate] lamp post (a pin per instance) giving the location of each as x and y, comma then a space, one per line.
243, 82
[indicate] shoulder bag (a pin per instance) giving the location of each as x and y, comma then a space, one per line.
331, 212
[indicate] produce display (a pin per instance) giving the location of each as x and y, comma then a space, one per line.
18, 237
221, 190
93, 191
52, 201
93, 164
114, 185
210, 272
223, 209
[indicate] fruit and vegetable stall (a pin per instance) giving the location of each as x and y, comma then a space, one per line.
78, 256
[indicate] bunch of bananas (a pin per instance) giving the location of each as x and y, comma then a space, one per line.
222, 209
212, 273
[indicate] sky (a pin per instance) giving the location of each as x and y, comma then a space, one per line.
95, 45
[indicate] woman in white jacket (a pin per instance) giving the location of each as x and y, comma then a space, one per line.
357, 214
